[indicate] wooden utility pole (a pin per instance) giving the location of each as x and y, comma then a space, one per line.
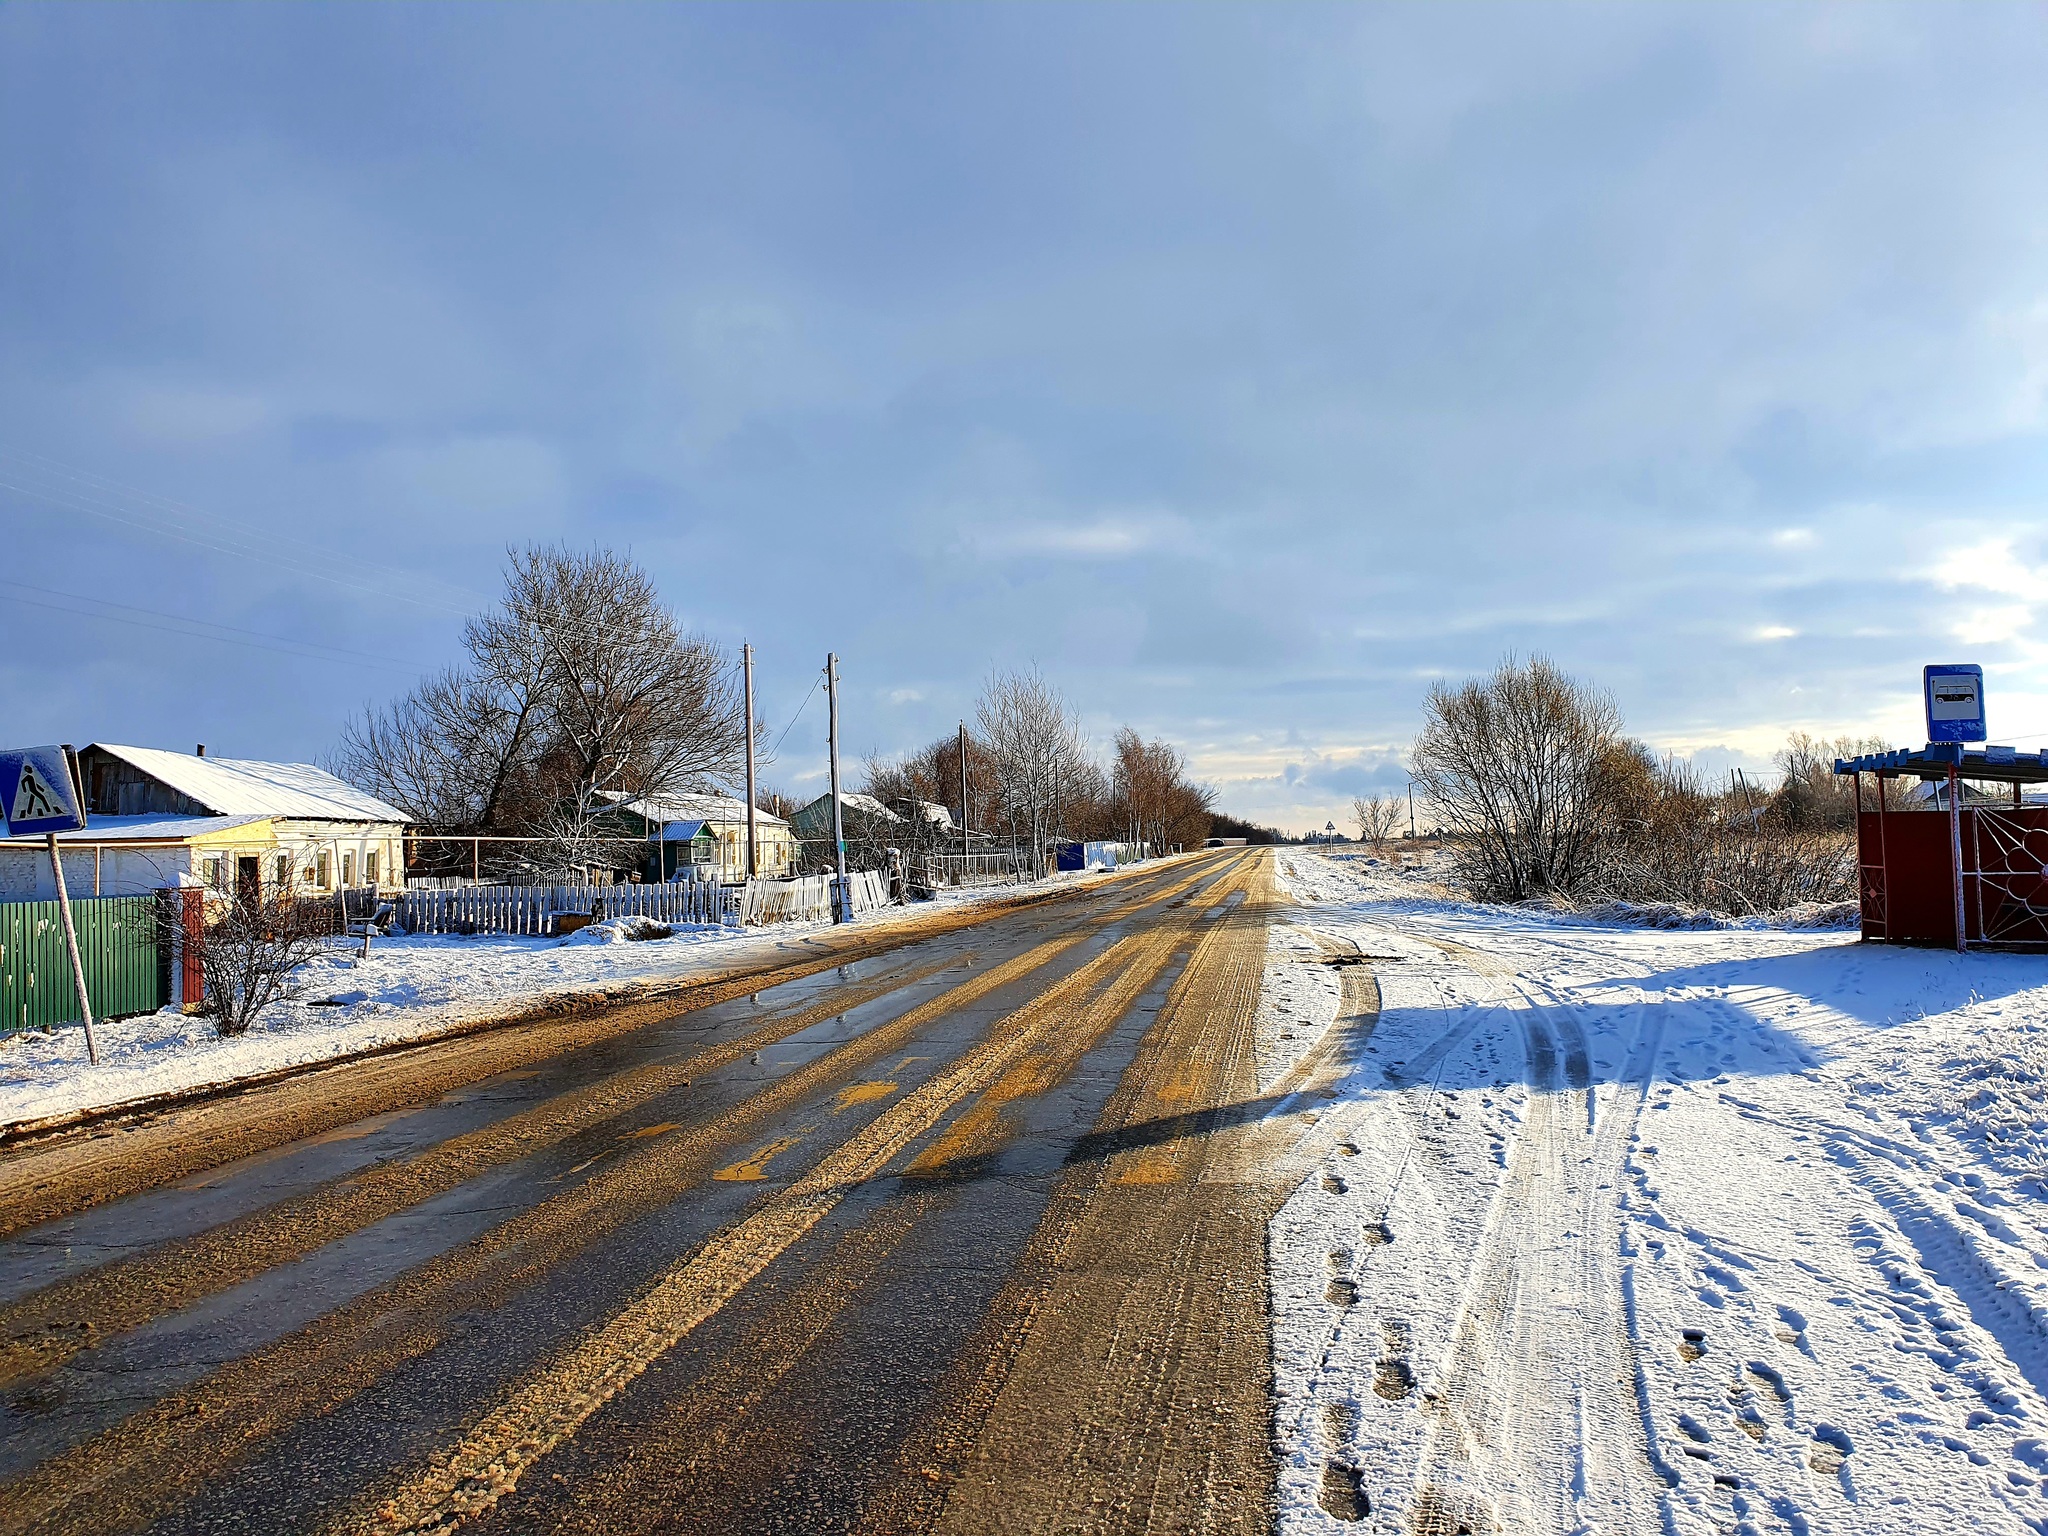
842, 903
963, 794
747, 673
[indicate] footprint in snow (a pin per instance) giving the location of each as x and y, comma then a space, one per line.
1831, 1448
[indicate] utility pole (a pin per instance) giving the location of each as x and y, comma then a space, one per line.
747, 686
842, 903
1411, 810
963, 794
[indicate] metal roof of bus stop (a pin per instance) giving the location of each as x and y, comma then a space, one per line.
1936, 760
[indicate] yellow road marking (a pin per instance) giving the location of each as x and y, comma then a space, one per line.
647, 1131
754, 1167
141, 1467
1148, 1168
551, 1405
861, 1093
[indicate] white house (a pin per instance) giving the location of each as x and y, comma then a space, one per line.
157, 818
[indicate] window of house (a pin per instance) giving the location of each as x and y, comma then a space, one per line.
370, 867
326, 871
348, 869
212, 870
284, 869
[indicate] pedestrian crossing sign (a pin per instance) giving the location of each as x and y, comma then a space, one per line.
36, 792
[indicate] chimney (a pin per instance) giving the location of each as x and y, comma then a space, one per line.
202, 749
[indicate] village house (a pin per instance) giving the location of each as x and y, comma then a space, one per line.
725, 820
863, 818
157, 818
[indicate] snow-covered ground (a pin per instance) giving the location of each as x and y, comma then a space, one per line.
409, 987
1630, 1230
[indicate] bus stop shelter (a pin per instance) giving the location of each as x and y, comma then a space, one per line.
1974, 873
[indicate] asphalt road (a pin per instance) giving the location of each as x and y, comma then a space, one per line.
965, 1235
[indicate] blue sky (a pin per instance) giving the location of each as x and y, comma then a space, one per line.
1246, 368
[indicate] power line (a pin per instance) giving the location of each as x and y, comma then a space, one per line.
198, 629
245, 531
241, 547
797, 716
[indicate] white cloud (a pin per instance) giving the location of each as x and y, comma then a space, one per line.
1120, 537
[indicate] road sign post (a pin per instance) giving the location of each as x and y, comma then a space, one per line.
43, 795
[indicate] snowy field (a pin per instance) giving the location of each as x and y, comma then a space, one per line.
410, 987
1628, 1230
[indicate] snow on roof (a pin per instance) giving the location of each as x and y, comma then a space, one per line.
721, 809
860, 805
150, 829
243, 787
938, 815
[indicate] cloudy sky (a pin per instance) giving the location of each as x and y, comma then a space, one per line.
1245, 368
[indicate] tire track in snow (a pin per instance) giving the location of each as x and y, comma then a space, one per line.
1545, 1335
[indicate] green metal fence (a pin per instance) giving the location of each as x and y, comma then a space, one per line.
117, 942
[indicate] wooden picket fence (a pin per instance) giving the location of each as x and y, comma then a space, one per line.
809, 899
531, 909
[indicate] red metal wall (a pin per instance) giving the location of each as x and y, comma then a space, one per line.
1908, 887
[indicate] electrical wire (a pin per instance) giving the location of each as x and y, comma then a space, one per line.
169, 518
796, 717
247, 542
197, 629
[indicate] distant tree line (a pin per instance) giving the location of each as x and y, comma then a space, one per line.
1034, 778
1221, 825
1542, 793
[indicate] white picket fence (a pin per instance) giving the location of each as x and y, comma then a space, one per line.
809, 899
530, 909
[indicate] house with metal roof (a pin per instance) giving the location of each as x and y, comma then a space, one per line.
775, 850
133, 855
232, 823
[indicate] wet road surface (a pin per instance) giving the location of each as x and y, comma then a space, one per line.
964, 1235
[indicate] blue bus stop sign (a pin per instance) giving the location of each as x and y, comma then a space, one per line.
36, 794
1955, 702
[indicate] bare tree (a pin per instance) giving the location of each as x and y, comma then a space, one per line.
1042, 766
1811, 795
1376, 818
1512, 766
1156, 801
248, 946
776, 803
634, 705
579, 690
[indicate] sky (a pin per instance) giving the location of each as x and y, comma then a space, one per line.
1246, 369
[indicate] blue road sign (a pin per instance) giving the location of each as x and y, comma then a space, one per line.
1955, 702
36, 795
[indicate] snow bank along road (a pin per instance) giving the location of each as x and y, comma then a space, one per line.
1628, 1231
970, 1234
